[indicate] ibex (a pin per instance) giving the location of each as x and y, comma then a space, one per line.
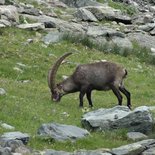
87, 77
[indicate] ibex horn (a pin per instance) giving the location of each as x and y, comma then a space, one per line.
53, 71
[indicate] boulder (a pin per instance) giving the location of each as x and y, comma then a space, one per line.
80, 3
135, 136
102, 31
5, 22
24, 137
2, 2
150, 151
33, 26
53, 37
62, 132
79, 152
108, 13
110, 37
9, 13
62, 25
131, 149
5, 151
85, 15
143, 39
138, 120
54, 152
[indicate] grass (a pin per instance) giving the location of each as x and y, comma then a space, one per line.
27, 105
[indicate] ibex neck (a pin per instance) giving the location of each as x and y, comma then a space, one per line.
69, 85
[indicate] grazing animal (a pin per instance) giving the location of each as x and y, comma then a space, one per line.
102, 75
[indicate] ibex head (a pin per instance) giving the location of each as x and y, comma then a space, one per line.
56, 89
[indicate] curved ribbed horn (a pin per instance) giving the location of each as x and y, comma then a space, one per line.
53, 71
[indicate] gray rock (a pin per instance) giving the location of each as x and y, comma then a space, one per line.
108, 13
135, 136
31, 11
2, 25
79, 152
12, 144
2, 2
62, 25
93, 152
150, 151
143, 39
80, 3
2, 91
122, 43
142, 18
15, 136
5, 151
139, 120
33, 26
131, 149
85, 15
9, 13
53, 37
147, 27
61, 132
152, 32
54, 152
148, 143
7, 126
5, 22
102, 31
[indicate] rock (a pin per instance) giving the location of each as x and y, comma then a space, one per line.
15, 136
61, 132
135, 136
93, 152
131, 149
33, 26
152, 32
102, 31
143, 39
79, 152
29, 10
6, 126
147, 27
62, 25
2, 91
150, 151
148, 143
5, 151
2, 2
54, 152
53, 37
85, 15
9, 13
12, 144
79, 3
5, 22
22, 150
108, 13
138, 120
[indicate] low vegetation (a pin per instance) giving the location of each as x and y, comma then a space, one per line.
27, 104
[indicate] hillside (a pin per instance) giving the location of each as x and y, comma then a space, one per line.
28, 52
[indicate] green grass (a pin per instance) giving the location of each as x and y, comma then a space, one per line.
26, 106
